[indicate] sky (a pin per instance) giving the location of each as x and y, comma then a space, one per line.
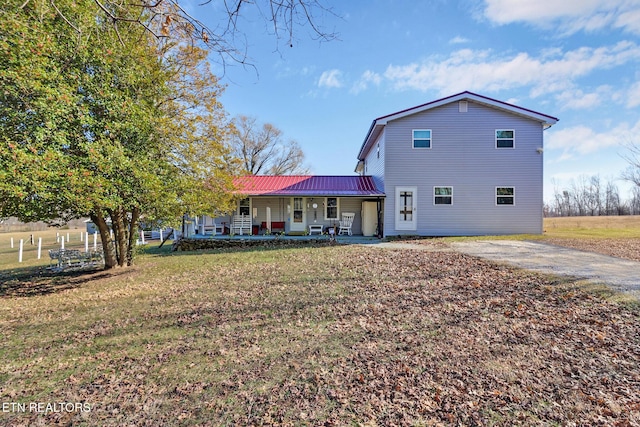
577, 60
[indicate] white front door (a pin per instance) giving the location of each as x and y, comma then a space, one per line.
406, 213
298, 214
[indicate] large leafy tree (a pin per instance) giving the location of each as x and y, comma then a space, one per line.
105, 120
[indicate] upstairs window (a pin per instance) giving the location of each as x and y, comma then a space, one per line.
505, 138
442, 195
422, 138
505, 196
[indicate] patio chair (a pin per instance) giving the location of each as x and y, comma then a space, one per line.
214, 228
241, 223
346, 223
217, 228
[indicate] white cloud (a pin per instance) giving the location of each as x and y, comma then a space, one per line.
330, 79
582, 140
569, 16
633, 95
459, 40
485, 70
576, 99
367, 78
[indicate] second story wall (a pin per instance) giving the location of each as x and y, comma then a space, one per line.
463, 155
375, 161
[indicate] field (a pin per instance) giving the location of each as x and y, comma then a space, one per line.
593, 227
9, 256
617, 236
333, 335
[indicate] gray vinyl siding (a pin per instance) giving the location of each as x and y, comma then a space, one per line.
463, 156
374, 165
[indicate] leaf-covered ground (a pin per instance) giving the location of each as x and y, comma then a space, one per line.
627, 248
322, 336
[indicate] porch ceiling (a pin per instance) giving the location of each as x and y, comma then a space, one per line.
308, 186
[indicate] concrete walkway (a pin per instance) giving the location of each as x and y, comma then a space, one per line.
619, 274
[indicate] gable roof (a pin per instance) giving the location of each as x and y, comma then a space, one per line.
307, 185
378, 124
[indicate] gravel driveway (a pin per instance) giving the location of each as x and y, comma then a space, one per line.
620, 274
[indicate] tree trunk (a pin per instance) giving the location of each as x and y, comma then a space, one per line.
133, 226
120, 233
110, 259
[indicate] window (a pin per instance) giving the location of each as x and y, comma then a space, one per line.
378, 150
245, 206
331, 208
505, 195
422, 138
442, 195
505, 138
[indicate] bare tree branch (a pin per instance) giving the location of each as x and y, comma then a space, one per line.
162, 18
261, 149
53, 3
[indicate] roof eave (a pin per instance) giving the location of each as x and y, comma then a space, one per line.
374, 131
378, 124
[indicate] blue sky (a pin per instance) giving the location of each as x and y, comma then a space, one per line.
577, 60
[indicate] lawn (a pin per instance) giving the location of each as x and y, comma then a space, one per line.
602, 227
334, 335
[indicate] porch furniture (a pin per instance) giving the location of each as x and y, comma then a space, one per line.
315, 228
275, 226
213, 228
346, 223
241, 223
73, 258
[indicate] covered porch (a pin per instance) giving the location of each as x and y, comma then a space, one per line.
301, 206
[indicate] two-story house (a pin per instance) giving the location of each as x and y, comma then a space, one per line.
461, 165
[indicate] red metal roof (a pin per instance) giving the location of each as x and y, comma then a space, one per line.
307, 185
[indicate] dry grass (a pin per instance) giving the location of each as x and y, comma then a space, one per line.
593, 227
334, 336
617, 236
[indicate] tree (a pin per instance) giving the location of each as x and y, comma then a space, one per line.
632, 173
261, 149
162, 18
104, 123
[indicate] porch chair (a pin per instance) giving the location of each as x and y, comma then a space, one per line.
213, 228
241, 223
346, 223
217, 228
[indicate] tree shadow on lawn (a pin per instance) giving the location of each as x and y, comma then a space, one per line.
36, 281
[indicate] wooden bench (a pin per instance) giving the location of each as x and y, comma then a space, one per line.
241, 223
275, 226
315, 228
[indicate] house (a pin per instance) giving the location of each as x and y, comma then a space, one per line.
462, 165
